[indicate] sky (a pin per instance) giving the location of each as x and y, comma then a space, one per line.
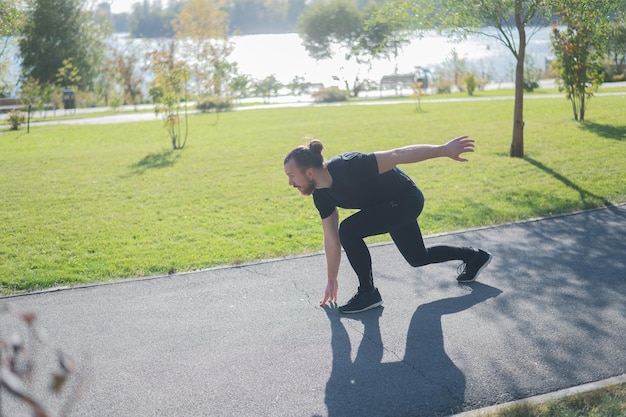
122, 6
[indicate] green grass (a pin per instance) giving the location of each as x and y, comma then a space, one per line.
605, 402
85, 204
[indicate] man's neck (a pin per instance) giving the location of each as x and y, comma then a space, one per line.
323, 179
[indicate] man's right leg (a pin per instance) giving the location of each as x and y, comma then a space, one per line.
410, 243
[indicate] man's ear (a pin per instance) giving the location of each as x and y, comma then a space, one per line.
310, 172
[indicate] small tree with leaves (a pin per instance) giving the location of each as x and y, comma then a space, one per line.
578, 42
129, 76
10, 21
267, 87
168, 91
616, 44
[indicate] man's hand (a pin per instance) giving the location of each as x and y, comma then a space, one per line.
454, 148
330, 295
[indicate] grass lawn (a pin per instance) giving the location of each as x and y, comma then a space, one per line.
605, 402
85, 204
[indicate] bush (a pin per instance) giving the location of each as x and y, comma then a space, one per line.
16, 118
216, 104
330, 95
529, 86
470, 83
442, 86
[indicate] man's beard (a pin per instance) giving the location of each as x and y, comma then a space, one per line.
308, 190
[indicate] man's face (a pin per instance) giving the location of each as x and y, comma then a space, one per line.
302, 180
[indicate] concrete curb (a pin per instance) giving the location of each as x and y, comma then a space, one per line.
620, 379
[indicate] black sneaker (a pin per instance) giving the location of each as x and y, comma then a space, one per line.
474, 266
362, 301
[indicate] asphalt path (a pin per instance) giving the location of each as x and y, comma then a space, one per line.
251, 340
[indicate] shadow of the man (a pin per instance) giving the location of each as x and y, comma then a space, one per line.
424, 383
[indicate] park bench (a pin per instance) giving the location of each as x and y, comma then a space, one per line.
8, 104
397, 81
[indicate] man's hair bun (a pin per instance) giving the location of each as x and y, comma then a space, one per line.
316, 146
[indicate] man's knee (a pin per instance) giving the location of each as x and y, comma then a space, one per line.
416, 262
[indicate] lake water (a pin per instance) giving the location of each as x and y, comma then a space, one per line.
284, 56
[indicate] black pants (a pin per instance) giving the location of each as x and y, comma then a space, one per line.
398, 218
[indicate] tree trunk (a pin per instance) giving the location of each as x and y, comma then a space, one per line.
517, 144
582, 107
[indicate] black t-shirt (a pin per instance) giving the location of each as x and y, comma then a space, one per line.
358, 185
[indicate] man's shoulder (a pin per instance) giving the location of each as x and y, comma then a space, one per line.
349, 156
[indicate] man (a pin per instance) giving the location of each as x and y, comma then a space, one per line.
389, 202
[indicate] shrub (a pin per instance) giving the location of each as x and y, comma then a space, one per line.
216, 104
529, 86
470, 83
16, 118
330, 95
442, 86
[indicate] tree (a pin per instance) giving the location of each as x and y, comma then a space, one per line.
511, 20
205, 24
338, 26
10, 20
384, 35
265, 16
324, 25
579, 48
267, 87
10, 16
240, 84
128, 75
57, 30
150, 20
616, 42
169, 90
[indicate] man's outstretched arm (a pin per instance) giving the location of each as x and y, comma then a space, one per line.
416, 153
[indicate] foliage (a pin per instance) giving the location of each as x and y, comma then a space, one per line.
383, 35
471, 83
58, 30
169, 90
457, 67
267, 87
330, 95
23, 354
510, 18
532, 75
114, 194
616, 43
204, 25
298, 86
37, 95
10, 16
418, 92
16, 119
331, 27
265, 16
216, 104
325, 25
10, 21
68, 75
128, 75
578, 41
240, 84
149, 20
